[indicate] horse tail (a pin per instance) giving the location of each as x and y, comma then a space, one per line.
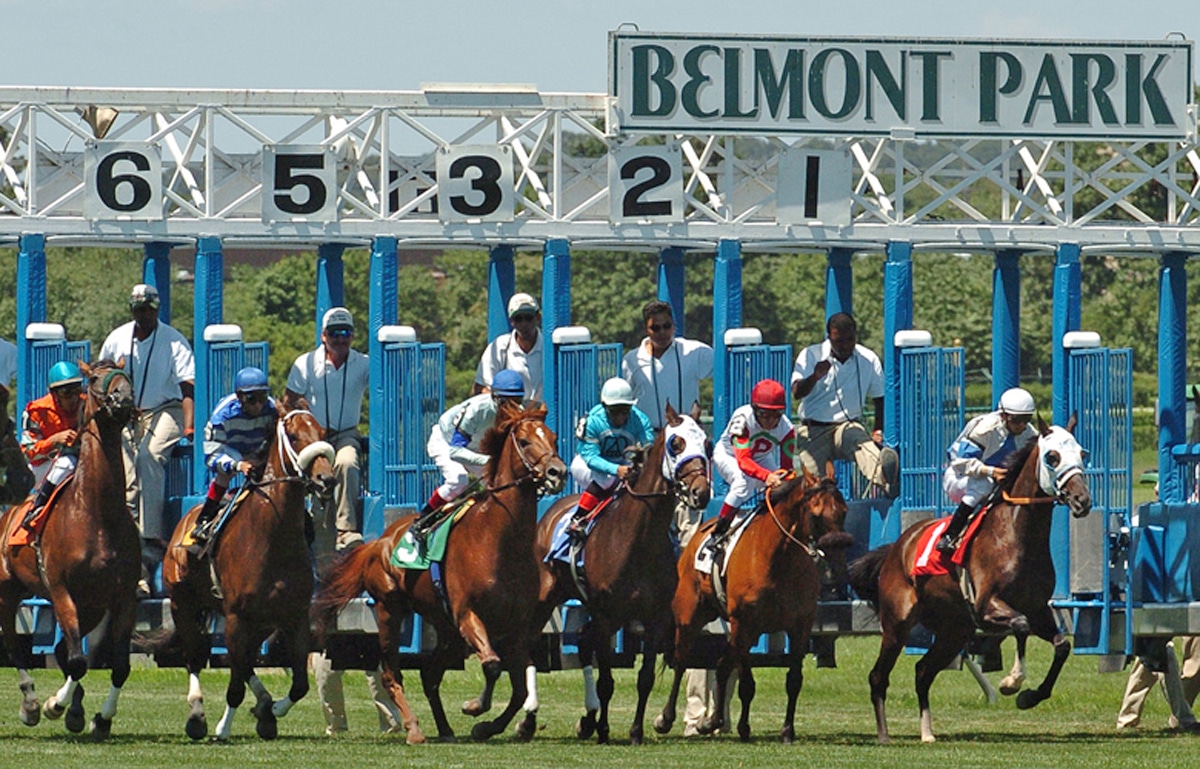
864, 574
341, 582
156, 641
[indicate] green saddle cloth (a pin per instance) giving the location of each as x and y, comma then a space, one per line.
408, 554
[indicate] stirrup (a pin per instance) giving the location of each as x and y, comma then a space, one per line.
946, 544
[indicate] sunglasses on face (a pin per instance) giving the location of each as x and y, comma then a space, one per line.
250, 398
662, 326
524, 317
339, 334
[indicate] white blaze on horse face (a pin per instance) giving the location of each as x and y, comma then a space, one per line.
694, 439
1070, 464
541, 433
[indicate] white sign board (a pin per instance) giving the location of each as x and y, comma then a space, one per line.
813, 186
299, 183
123, 181
645, 184
475, 183
924, 87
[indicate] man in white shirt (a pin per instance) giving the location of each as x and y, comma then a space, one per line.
159, 361
520, 351
830, 382
665, 368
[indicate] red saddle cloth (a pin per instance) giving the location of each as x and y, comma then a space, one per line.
25, 535
930, 561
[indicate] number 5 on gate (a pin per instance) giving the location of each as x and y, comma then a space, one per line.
299, 183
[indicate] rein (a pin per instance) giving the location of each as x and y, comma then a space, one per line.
1027, 501
812, 552
531, 472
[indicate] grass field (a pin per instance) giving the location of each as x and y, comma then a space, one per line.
834, 725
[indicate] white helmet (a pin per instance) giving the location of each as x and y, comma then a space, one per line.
1017, 402
617, 392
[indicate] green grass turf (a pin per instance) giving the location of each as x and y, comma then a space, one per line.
834, 725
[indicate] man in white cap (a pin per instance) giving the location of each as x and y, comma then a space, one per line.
520, 350
331, 382
159, 361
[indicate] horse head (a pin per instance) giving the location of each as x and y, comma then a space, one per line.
1060, 467
685, 457
109, 392
300, 451
534, 443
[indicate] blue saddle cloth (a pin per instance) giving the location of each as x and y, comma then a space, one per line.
560, 543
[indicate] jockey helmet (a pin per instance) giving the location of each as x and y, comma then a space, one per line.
768, 394
508, 384
251, 379
617, 392
1017, 402
64, 373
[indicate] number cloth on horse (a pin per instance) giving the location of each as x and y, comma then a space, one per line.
409, 554
930, 561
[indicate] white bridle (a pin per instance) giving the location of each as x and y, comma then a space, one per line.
294, 462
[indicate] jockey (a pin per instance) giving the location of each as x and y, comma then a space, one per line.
49, 429
239, 427
976, 458
454, 444
604, 434
755, 452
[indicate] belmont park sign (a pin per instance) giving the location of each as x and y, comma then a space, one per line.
902, 87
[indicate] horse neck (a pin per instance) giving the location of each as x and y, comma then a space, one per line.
286, 495
640, 519
516, 495
100, 471
1030, 523
794, 516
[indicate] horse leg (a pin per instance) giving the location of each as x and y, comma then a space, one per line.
725, 665
189, 624
946, 647
239, 672
645, 680
431, 682
475, 634
1044, 627
19, 650
527, 726
797, 646
297, 645
267, 726
890, 645
71, 693
586, 726
389, 620
516, 679
601, 641
739, 655
1015, 679
120, 630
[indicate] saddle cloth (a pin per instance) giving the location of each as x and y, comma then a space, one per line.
25, 535
703, 561
930, 561
560, 542
409, 555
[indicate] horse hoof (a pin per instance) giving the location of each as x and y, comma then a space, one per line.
31, 712
447, 739
482, 732
707, 726
268, 727
928, 739
636, 736
526, 728
53, 709
662, 725
787, 735
586, 726
197, 727
1028, 699
601, 735
744, 732
76, 719
415, 737
1009, 687
473, 708
101, 727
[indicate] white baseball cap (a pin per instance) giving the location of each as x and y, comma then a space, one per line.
521, 303
142, 294
337, 317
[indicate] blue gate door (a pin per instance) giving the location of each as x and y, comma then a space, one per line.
932, 413
1100, 394
47, 345
582, 367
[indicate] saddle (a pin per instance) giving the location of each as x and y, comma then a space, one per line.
217, 525
933, 562
24, 532
408, 554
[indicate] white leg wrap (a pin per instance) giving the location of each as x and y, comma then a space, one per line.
225, 725
591, 700
281, 707
531, 700
63, 696
109, 708
195, 694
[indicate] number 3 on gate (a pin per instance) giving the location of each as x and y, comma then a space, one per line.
645, 184
475, 183
124, 181
299, 183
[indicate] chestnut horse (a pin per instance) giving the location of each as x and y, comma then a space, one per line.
87, 559
264, 579
490, 577
771, 583
1010, 571
629, 567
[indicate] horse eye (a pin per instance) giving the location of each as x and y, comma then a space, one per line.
675, 445
1052, 459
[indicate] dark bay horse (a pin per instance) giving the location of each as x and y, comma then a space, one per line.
262, 565
771, 583
1009, 566
490, 577
629, 567
87, 560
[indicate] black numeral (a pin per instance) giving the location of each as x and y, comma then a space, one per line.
632, 205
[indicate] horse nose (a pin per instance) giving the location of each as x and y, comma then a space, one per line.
556, 476
700, 497
326, 485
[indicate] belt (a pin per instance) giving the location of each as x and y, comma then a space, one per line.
819, 423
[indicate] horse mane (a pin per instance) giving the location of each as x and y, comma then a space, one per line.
1014, 463
507, 415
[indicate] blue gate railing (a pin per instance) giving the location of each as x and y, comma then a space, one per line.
581, 369
932, 413
414, 392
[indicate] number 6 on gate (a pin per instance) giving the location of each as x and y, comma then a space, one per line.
123, 181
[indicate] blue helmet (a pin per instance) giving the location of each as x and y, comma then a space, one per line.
508, 384
64, 373
251, 379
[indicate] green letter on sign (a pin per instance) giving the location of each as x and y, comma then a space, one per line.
660, 77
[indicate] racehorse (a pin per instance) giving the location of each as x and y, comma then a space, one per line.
490, 588
87, 559
263, 577
771, 583
629, 566
1011, 576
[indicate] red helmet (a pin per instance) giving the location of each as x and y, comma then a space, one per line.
768, 394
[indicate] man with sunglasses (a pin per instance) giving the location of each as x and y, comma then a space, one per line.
665, 368
519, 351
977, 456
49, 432
239, 428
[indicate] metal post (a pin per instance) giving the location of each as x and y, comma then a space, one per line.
670, 284
31, 308
156, 271
383, 312
839, 282
1068, 283
727, 314
502, 282
331, 280
1172, 370
1006, 323
897, 316
208, 303
556, 312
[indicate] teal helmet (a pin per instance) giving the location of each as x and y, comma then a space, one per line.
64, 373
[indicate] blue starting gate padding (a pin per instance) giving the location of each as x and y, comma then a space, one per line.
580, 371
1091, 558
932, 392
414, 391
44, 353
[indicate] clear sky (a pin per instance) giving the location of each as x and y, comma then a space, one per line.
558, 45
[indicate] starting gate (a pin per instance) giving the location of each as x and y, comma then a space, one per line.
47, 345
582, 367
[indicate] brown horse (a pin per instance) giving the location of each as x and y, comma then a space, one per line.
629, 567
491, 580
1009, 567
264, 577
87, 560
771, 583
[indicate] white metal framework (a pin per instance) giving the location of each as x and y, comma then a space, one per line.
380, 155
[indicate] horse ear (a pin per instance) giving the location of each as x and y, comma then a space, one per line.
695, 413
671, 414
121, 362
86, 369
1074, 420
830, 470
1043, 428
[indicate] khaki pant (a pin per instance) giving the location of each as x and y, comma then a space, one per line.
147, 445
333, 698
847, 441
342, 514
1180, 691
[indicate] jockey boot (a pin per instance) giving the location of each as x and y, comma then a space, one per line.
212, 506
720, 532
587, 503
957, 524
43, 496
426, 518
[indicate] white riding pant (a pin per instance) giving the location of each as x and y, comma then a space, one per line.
455, 475
584, 476
967, 489
54, 472
742, 487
